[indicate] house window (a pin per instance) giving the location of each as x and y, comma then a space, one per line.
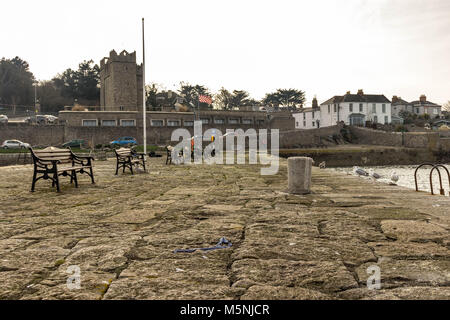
219, 121
304, 116
89, 123
121, 108
350, 107
374, 108
313, 114
233, 121
173, 123
386, 119
157, 123
296, 124
435, 111
360, 107
128, 123
313, 124
304, 123
335, 108
417, 110
260, 122
383, 108
375, 119
205, 120
329, 110
108, 123
188, 123
247, 121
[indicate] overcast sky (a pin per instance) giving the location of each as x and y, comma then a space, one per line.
324, 47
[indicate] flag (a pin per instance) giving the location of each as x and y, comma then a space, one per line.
204, 99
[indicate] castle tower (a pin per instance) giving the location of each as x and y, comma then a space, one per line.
120, 82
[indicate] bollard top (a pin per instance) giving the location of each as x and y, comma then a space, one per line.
299, 158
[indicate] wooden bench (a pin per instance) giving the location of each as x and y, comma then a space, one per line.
127, 157
51, 162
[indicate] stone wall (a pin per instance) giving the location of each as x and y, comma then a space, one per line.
34, 135
298, 138
428, 140
376, 157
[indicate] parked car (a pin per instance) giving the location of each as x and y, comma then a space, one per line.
124, 141
76, 143
3, 118
51, 119
41, 119
14, 144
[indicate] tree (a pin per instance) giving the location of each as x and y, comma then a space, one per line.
50, 97
239, 98
223, 99
446, 106
289, 98
191, 95
16, 82
81, 84
272, 99
150, 92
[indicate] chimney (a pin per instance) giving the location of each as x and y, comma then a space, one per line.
423, 98
360, 92
314, 103
394, 99
348, 92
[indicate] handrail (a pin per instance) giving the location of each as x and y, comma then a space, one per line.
440, 180
415, 172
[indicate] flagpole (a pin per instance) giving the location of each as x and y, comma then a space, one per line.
144, 111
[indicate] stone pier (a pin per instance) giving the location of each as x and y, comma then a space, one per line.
121, 233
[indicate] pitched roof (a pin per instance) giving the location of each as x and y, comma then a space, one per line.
424, 103
400, 101
377, 98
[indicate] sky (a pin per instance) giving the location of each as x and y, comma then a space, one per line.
323, 47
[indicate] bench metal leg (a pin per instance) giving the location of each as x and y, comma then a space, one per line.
74, 177
33, 183
92, 175
56, 181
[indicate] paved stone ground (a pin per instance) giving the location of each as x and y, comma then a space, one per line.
122, 231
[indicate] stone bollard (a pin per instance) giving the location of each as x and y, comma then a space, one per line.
299, 175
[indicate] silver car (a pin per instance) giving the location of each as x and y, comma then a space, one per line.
3, 118
14, 144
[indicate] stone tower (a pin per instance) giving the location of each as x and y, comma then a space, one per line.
120, 82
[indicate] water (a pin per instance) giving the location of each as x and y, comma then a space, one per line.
406, 176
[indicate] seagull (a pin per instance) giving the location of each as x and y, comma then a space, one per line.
394, 177
360, 171
322, 165
374, 174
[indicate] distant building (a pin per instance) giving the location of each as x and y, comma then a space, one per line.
419, 107
399, 105
120, 82
422, 106
352, 109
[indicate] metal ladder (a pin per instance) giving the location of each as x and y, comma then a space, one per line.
433, 167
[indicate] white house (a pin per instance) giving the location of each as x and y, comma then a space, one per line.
352, 109
308, 118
